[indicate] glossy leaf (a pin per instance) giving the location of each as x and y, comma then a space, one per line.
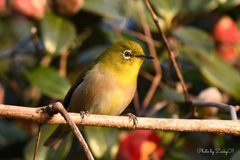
195, 37
48, 81
103, 142
168, 9
170, 94
107, 9
148, 17
57, 32
202, 5
215, 70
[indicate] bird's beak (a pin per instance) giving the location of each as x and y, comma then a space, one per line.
144, 56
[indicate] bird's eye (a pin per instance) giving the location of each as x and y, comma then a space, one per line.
127, 54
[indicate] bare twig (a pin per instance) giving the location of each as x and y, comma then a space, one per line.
171, 55
63, 63
37, 142
152, 50
46, 60
233, 113
156, 108
34, 32
58, 107
118, 34
172, 58
189, 125
150, 78
138, 35
223, 107
136, 104
175, 110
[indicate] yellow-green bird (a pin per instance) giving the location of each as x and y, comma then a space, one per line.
106, 86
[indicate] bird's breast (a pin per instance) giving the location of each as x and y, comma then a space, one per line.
102, 92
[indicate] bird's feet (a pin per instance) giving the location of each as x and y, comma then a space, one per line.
83, 114
133, 118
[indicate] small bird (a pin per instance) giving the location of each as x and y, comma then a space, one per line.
106, 86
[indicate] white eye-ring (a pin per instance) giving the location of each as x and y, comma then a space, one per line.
127, 54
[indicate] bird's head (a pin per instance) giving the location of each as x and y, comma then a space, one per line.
124, 55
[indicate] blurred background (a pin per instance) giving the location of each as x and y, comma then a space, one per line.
45, 44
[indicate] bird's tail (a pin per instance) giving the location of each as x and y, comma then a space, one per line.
57, 137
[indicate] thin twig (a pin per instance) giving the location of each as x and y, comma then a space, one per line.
172, 58
150, 78
138, 35
171, 55
156, 108
233, 113
118, 35
63, 63
136, 104
223, 107
34, 32
152, 50
164, 124
37, 142
59, 108
175, 109
46, 60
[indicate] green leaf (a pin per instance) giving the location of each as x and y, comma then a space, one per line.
215, 70
148, 16
170, 94
48, 153
168, 9
195, 37
49, 81
58, 33
202, 5
102, 141
107, 9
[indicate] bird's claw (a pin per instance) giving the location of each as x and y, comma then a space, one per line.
133, 118
83, 114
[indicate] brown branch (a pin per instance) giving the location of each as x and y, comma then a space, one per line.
164, 124
34, 31
63, 63
138, 35
118, 34
223, 107
172, 58
37, 142
58, 107
152, 50
46, 60
233, 113
158, 106
136, 104
150, 78
171, 55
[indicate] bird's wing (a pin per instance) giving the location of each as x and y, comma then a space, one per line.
77, 82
